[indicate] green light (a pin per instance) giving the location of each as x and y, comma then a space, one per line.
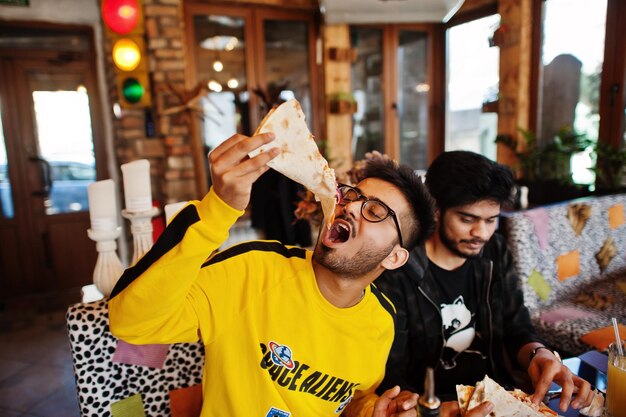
132, 90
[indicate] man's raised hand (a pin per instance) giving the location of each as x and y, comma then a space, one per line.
233, 172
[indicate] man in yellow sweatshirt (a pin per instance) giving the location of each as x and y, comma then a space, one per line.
287, 332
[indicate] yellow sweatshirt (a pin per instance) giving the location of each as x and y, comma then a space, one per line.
274, 346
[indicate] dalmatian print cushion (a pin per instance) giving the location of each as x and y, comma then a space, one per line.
529, 256
101, 382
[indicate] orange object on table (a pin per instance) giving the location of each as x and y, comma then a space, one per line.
601, 338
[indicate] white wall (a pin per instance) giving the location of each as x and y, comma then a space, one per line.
78, 12
59, 11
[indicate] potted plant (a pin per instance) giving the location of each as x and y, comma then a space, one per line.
544, 166
342, 103
609, 168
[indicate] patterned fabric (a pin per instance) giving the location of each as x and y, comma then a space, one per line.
101, 382
581, 264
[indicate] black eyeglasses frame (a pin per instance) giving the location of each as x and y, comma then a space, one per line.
366, 200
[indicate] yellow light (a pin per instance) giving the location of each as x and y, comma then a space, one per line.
215, 86
126, 54
233, 83
232, 43
422, 88
218, 66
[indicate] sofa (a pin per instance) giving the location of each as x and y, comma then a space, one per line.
571, 261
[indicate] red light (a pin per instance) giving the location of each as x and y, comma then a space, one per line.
120, 15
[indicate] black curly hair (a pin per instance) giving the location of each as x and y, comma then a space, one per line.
420, 225
458, 178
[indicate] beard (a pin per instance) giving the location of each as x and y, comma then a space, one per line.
355, 266
453, 246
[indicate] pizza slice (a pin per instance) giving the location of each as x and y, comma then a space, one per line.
299, 158
464, 394
514, 403
525, 398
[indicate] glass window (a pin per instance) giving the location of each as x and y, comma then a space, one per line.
472, 91
413, 94
367, 74
6, 197
220, 62
66, 146
287, 63
572, 58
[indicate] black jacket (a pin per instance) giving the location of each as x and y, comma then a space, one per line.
503, 320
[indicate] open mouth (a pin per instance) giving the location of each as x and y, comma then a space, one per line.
339, 232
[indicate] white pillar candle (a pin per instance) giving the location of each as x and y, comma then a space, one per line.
137, 189
102, 205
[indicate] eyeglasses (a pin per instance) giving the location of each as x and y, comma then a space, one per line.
372, 210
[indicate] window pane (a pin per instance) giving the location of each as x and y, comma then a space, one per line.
572, 57
6, 197
413, 91
219, 50
473, 76
287, 63
66, 143
367, 73
623, 123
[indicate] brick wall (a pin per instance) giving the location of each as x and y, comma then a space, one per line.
167, 148
165, 42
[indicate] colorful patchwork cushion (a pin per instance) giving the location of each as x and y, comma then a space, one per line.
559, 248
570, 325
570, 258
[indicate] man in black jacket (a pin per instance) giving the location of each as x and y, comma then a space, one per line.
460, 308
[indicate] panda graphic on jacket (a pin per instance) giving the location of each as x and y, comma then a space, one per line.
458, 329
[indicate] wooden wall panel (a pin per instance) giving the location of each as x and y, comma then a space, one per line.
337, 79
12, 277
515, 71
73, 271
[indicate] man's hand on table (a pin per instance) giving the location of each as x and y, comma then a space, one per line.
546, 368
451, 409
396, 403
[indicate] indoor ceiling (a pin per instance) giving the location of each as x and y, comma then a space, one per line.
388, 11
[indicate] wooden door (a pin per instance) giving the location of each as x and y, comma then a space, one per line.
50, 123
251, 58
397, 82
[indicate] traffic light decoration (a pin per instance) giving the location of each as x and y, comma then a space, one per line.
123, 22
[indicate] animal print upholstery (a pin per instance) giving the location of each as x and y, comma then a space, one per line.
101, 382
571, 255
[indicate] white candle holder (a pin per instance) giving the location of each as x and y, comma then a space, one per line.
108, 266
141, 229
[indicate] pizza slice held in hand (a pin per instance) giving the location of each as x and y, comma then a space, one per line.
299, 158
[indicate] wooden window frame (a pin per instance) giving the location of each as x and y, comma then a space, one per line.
612, 91
436, 96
